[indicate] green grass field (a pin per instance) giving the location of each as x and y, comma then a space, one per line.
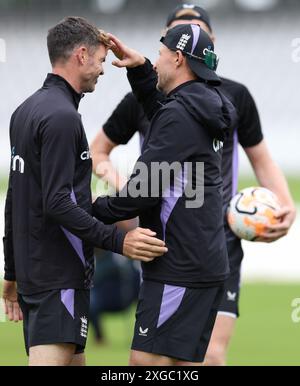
265, 333
293, 181
3, 184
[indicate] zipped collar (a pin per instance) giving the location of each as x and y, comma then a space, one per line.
175, 90
182, 86
56, 80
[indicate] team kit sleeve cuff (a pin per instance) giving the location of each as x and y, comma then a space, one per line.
9, 276
253, 142
120, 237
141, 71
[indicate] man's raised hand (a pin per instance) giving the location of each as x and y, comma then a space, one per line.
126, 57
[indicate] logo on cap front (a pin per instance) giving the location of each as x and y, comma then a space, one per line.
183, 42
188, 6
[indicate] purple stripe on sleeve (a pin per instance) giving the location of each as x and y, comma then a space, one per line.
67, 298
73, 197
74, 240
76, 244
172, 298
168, 205
196, 32
171, 197
142, 140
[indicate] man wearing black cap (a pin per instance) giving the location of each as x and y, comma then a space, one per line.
181, 292
248, 133
129, 118
188, 12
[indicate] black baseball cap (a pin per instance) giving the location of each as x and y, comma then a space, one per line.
198, 48
198, 14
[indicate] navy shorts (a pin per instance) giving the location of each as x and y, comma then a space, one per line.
175, 322
230, 303
54, 317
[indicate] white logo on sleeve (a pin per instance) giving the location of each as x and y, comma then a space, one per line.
86, 155
231, 297
144, 332
18, 164
84, 327
217, 145
183, 42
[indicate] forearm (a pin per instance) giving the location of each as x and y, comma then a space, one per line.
128, 204
143, 81
71, 217
109, 211
104, 169
141, 75
115, 209
269, 174
272, 178
9, 264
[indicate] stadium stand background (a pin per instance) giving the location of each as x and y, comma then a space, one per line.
255, 48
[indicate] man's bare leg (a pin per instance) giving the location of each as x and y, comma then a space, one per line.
51, 355
138, 358
222, 333
78, 360
190, 364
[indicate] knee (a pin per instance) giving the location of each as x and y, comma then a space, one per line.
51, 355
137, 359
78, 360
216, 356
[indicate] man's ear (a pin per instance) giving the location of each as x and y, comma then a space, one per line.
179, 58
81, 54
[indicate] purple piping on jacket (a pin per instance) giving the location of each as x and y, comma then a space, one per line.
74, 240
171, 197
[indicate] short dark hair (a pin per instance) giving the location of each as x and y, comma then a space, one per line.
69, 34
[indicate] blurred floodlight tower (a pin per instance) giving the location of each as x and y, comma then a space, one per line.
257, 5
109, 6
206, 4
2, 51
